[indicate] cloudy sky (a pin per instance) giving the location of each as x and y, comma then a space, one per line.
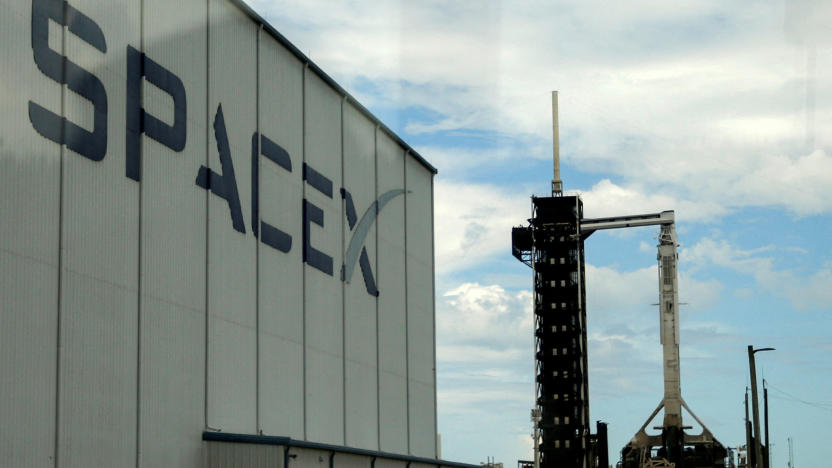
718, 110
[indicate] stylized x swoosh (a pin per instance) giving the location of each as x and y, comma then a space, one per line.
363, 228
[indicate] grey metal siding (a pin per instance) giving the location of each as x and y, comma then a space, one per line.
134, 314
420, 332
244, 455
280, 278
173, 246
97, 399
392, 334
324, 320
231, 254
30, 177
360, 340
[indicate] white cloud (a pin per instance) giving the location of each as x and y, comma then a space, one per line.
454, 163
612, 293
606, 198
477, 399
802, 185
698, 294
701, 102
484, 366
804, 291
485, 316
473, 222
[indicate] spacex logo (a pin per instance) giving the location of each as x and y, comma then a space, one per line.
93, 144
359, 233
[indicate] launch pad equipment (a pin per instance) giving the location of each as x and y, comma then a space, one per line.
553, 246
673, 444
673, 447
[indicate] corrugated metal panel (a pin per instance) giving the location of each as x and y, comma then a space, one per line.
29, 214
286, 338
305, 452
420, 335
386, 463
231, 455
392, 335
172, 334
99, 329
323, 291
360, 340
280, 276
27, 358
343, 460
231, 254
308, 458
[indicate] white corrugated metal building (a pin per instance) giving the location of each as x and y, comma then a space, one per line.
210, 254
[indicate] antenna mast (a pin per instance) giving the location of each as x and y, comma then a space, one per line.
557, 184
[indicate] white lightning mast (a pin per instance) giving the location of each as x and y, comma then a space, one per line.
557, 184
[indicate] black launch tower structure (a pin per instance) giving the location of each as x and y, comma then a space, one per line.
553, 246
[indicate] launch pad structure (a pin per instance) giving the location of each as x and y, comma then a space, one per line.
553, 246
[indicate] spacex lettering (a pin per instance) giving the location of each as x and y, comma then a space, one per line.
93, 144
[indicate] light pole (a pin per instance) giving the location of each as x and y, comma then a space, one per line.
765, 424
758, 453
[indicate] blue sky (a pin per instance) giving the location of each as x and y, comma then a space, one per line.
718, 110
